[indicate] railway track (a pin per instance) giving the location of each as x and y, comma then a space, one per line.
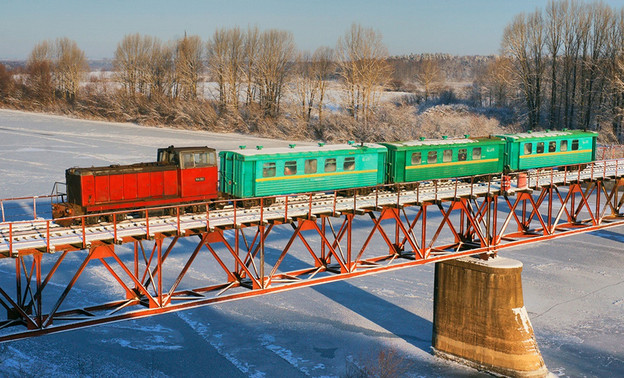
47, 236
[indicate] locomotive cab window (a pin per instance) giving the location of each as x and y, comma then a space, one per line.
575, 144
349, 163
432, 157
290, 168
540, 148
563, 147
416, 158
330, 165
476, 153
268, 170
195, 159
528, 148
310, 166
552, 146
462, 154
165, 156
447, 156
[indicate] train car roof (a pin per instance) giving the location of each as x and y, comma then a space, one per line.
548, 134
441, 142
320, 149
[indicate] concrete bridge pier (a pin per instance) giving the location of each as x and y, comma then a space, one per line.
479, 317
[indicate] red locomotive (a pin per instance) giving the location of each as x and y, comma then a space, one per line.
187, 174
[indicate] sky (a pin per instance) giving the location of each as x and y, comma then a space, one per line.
458, 27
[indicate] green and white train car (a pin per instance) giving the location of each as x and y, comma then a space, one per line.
274, 171
428, 159
549, 148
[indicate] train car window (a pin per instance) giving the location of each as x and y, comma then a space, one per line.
416, 158
563, 146
552, 146
574, 144
268, 170
476, 153
462, 154
447, 156
540, 148
528, 148
349, 163
310, 166
290, 168
330, 165
432, 157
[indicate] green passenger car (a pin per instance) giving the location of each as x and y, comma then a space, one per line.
249, 173
444, 158
549, 148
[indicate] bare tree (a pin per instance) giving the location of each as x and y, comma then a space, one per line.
555, 14
216, 51
277, 49
523, 42
70, 68
39, 69
132, 63
323, 59
596, 51
251, 47
6, 82
617, 79
313, 72
499, 80
188, 66
571, 45
225, 61
362, 63
618, 86
429, 75
160, 72
306, 88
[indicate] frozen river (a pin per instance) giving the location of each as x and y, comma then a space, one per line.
573, 290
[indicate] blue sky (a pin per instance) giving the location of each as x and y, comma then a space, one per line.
468, 27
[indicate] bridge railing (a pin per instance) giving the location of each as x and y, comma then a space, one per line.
33, 207
283, 205
27, 208
610, 152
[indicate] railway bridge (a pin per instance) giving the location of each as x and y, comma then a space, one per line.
296, 241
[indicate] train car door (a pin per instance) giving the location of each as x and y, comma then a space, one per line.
198, 174
227, 180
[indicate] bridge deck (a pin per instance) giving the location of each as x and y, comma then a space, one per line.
47, 236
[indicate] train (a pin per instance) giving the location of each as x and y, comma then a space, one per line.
187, 175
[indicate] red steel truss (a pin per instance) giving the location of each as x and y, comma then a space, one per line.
307, 244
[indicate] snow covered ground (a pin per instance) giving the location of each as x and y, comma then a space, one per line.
573, 289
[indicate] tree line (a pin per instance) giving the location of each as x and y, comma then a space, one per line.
560, 67
253, 72
563, 66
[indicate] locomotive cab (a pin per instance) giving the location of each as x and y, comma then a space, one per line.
197, 167
187, 157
